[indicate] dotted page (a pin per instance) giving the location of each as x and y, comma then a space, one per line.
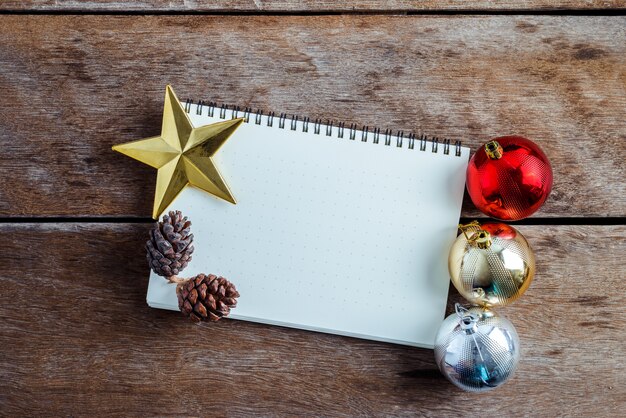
329, 234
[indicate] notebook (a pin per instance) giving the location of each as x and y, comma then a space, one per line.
336, 229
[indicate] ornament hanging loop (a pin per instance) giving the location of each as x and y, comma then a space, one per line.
480, 239
467, 319
460, 310
465, 227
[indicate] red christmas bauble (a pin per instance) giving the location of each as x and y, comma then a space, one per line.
509, 178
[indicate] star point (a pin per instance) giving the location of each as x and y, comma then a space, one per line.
183, 154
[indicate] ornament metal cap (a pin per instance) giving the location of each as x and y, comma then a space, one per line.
494, 150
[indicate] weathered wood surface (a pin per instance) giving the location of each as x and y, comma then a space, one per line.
307, 5
74, 85
77, 337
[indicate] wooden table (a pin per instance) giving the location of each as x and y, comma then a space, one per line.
76, 336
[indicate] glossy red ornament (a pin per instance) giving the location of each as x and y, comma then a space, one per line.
509, 178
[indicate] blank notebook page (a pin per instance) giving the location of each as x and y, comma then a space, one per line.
328, 234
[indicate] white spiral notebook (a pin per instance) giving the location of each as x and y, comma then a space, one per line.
335, 229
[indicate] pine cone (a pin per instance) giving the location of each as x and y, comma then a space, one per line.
170, 245
206, 298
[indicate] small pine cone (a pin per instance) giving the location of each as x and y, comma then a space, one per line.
206, 298
170, 245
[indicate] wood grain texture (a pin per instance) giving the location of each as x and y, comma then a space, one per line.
306, 5
75, 85
78, 337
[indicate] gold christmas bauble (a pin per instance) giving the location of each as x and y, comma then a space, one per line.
491, 264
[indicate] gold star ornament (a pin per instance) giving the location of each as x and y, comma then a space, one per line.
182, 154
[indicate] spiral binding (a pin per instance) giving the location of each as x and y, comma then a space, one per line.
283, 120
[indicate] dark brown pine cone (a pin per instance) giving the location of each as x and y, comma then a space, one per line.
206, 298
170, 245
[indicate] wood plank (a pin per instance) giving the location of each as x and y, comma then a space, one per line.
306, 5
77, 337
75, 85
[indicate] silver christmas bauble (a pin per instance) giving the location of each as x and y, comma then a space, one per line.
477, 349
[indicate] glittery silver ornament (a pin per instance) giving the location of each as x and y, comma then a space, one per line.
477, 349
